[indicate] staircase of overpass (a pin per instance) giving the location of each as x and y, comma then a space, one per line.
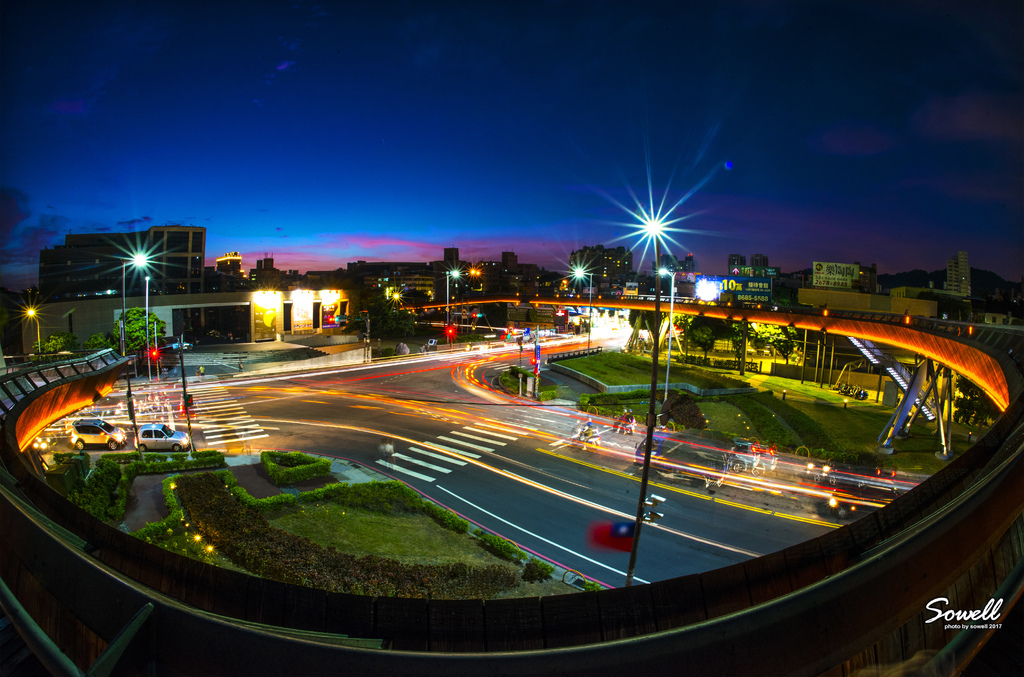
856, 597
900, 375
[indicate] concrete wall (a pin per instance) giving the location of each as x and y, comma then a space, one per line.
845, 300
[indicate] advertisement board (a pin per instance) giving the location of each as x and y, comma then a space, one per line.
302, 313
329, 315
743, 289
835, 275
265, 315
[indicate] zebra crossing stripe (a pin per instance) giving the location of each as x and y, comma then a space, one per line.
398, 468
460, 452
465, 444
439, 457
423, 463
488, 432
214, 443
478, 439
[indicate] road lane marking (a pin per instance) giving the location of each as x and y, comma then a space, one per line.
539, 537
219, 442
416, 461
465, 444
439, 457
478, 439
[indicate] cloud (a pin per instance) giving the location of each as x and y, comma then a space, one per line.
135, 222
970, 117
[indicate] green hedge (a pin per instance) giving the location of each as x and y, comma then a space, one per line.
500, 547
60, 457
295, 466
97, 494
536, 570
122, 457
154, 529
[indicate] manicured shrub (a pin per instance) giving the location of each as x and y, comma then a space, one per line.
500, 547
536, 570
154, 529
292, 467
97, 493
684, 410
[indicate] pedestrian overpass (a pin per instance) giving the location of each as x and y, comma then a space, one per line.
84, 593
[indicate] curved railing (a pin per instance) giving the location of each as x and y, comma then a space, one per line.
855, 596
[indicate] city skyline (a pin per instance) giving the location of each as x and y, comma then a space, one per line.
327, 134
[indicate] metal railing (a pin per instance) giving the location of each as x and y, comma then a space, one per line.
24, 379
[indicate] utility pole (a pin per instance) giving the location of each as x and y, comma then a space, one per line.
186, 399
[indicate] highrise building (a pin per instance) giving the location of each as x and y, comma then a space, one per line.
688, 265
759, 260
958, 274
92, 264
604, 262
230, 263
737, 260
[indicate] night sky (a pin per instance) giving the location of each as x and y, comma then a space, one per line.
879, 132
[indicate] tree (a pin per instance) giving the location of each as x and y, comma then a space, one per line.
387, 319
135, 329
972, 405
60, 341
703, 332
98, 341
781, 339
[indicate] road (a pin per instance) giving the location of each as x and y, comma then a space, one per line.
498, 462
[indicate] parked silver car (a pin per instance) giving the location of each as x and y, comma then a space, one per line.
94, 431
158, 436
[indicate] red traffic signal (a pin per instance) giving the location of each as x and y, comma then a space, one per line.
449, 331
154, 354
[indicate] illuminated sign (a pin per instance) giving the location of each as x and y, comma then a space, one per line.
265, 315
836, 275
750, 289
329, 310
302, 311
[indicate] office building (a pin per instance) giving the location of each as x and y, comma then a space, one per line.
958, 274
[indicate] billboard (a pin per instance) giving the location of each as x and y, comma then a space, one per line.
265, 315
835, 275
302, 312
330, 313
746, 289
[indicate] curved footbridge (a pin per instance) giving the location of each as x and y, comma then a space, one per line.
865, 594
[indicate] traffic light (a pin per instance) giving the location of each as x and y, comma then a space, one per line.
449, 331
154, 354
188, 401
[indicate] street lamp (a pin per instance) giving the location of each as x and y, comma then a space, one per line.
654, 229
149, 358
138, 260
447, 295
31, 312
579, 273
671, 325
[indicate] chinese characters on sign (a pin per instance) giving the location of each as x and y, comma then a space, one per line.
744, 289
837, 275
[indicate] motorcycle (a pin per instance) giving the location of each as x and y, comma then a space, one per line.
585, 435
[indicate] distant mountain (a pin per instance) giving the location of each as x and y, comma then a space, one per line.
983, 282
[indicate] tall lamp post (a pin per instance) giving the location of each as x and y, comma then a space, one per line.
654, 229
138, 260
447, 295
149, 358
31, 312
671, 325
579, 274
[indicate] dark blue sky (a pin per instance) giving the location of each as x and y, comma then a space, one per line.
885, 132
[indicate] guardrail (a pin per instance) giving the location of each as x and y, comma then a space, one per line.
24, 379
843, 599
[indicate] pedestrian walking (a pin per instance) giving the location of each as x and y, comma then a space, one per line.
202, 372
386, 449
239, 365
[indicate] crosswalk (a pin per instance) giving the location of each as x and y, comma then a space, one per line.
223, 419
427, 465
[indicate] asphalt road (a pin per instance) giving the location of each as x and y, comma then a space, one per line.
499, 462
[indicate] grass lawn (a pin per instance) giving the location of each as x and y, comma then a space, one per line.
411, 539
725, 418
408, 538
623, 369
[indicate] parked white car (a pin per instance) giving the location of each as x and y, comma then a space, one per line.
161, 437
